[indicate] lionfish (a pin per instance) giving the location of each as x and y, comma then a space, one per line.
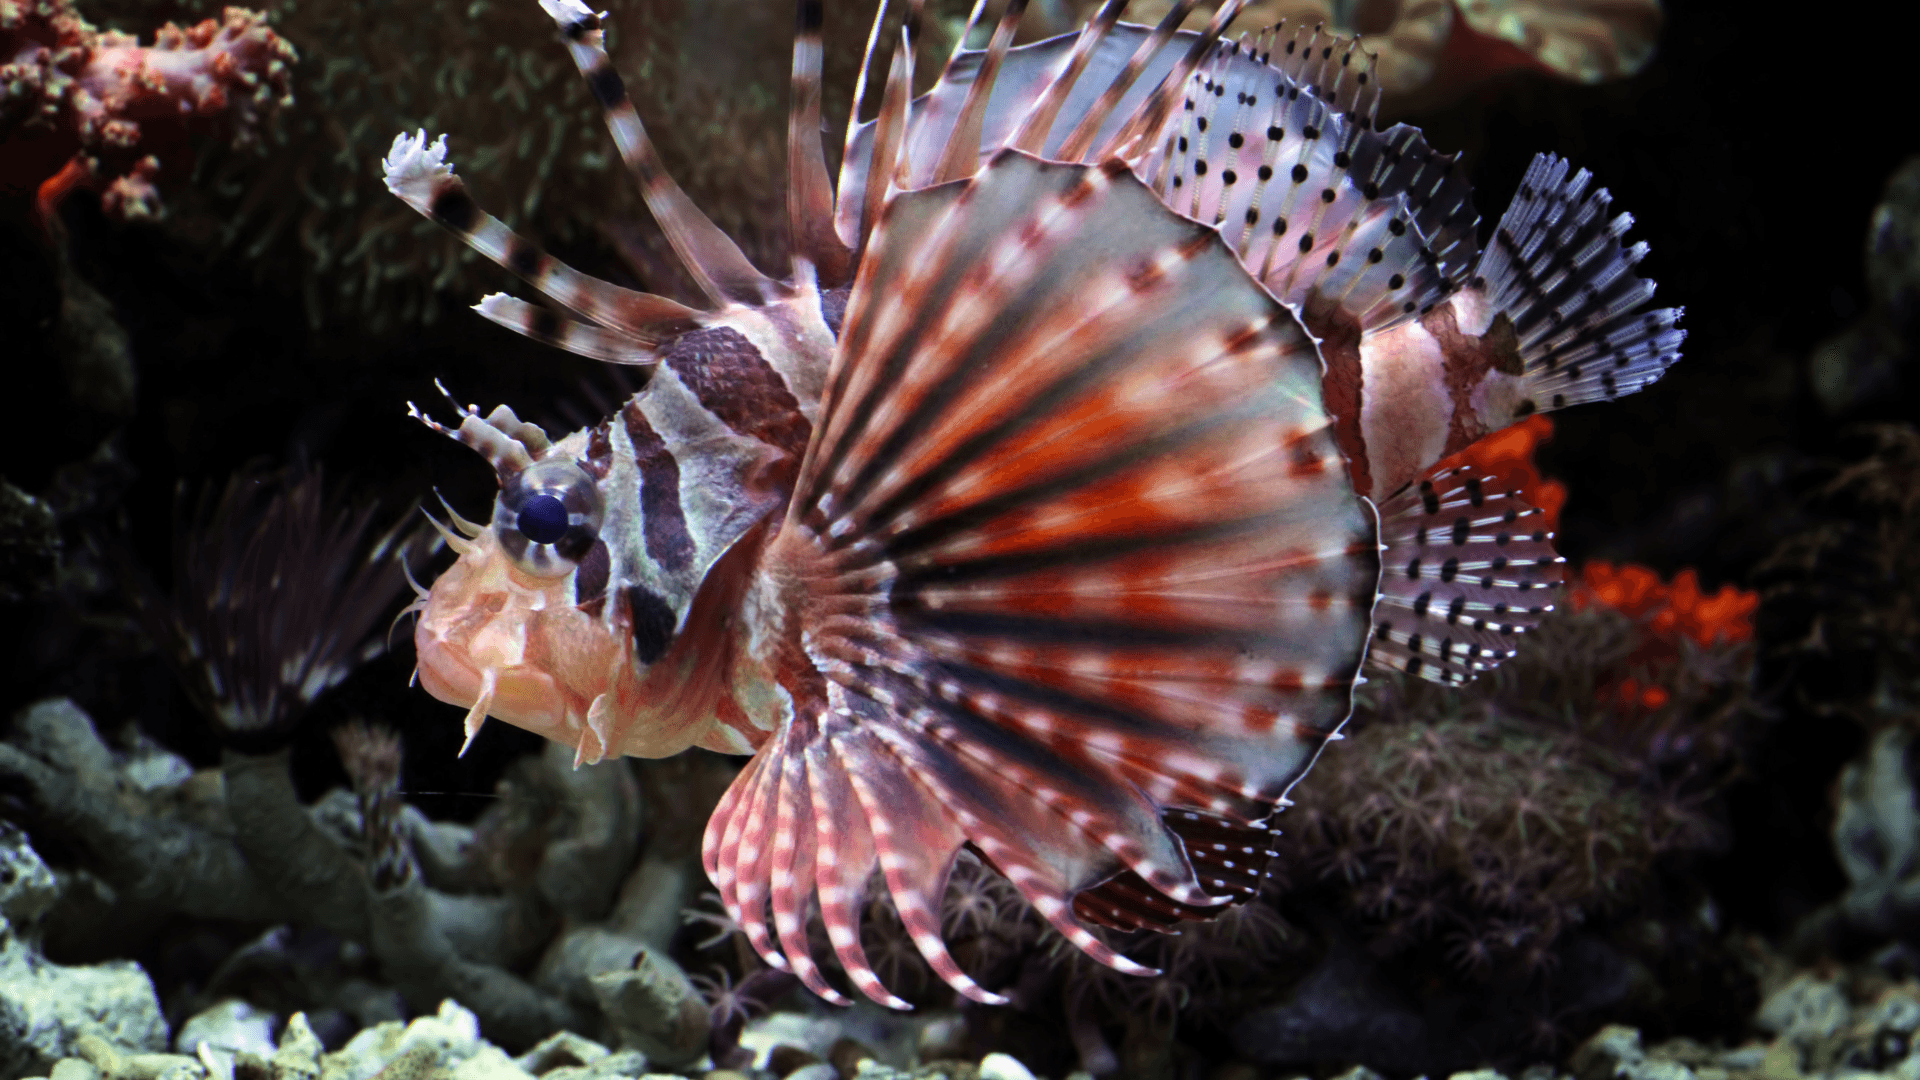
1052, 503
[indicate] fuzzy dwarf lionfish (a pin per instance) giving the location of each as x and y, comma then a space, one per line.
1052, 503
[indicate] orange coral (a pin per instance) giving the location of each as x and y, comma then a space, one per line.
1671, 611
1507, 456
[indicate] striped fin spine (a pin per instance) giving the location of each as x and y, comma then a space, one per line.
962, 156
1558, 273
1071, 565
1467, 571
710, 255
809, 189
420, 174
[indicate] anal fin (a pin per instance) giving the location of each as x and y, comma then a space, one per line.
1466, 571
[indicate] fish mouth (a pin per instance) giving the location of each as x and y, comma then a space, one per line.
522, 696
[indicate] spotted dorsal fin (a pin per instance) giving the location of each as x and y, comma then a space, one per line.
1072, 549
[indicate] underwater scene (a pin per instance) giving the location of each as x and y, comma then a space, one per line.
962, 539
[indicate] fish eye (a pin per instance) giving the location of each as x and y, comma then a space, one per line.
547, 517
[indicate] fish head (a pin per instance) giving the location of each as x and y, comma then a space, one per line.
517, 627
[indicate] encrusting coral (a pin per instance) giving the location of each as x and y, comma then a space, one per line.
80, 107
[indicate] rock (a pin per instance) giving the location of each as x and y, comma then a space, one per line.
1607, 1053
46, 1009
654, 1009
228, 1026
562, 1048
29, 545
1359, 1072
819, 1070
27, 888
942, 1038
785, 1059
417, 1050
1340, 1013
1805, 1011
1003, 1067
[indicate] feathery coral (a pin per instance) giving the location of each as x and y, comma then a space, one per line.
84, 108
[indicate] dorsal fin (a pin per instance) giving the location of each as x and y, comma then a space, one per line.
1030, 137
1334, 66
961, 155
715, 261
809, 189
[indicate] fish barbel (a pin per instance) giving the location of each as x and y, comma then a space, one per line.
1052, 502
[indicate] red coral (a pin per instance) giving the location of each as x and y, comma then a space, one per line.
86, 108
1507, 456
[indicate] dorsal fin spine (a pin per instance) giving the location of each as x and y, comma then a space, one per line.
1152, 114
809, 189
710, 255
1080, 140
962, 155
1032, 134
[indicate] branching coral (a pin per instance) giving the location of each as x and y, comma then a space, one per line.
85, 108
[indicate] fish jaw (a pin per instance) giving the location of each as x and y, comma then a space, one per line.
505, 644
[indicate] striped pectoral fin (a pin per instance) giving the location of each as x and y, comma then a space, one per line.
1467, 571
420, 174
1559, 282
1076, 542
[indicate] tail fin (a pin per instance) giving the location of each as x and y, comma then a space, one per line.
1558, 272
1075, 560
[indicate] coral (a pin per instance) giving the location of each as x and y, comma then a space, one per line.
85, 108
236, 844
1841, 594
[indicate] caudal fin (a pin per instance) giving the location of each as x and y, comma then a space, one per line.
1557, 270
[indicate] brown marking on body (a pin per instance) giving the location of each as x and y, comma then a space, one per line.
1468, 359
1340, 383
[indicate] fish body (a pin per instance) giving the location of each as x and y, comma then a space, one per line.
1052, 503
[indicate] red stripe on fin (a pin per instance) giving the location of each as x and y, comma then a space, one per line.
1467, 571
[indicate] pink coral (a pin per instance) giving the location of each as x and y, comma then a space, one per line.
96, 109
